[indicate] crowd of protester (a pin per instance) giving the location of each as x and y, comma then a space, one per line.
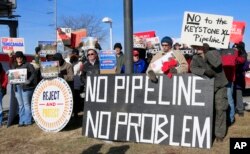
228, 73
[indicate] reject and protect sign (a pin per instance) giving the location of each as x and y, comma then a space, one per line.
199, 28
52, 104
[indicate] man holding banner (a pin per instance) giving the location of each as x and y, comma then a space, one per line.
208, 62
162, 61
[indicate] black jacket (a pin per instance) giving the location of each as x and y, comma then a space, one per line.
89, 69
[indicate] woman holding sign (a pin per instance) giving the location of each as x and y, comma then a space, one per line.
24, 90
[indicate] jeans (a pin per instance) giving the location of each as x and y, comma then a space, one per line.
23, 97
1, 108
239, 101
230, 90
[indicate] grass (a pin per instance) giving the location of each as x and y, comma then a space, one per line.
32, 139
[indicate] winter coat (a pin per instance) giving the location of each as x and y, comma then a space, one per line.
3, 80
140, 66
240, 72
212, 62
120, 63
31, 75
89, 69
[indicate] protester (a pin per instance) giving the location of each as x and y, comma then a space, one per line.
36, 63
37, 57
77, 66
229, 58
91, 66
49, 57
180, 66
240, 77
208, 62
24, 91
3, 87
97, 45
120, 58
140, 65
66, 70
177, 46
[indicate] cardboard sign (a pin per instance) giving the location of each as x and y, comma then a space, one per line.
52, 104
107, 62
12, 44
64, 35
147, 34
177, 111
199, 28
157, 65
153, 45
47, 47
16, 76
77, 36
89, 43
237, 31
49, 69
139, 42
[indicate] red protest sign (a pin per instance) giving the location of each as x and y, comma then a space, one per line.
237, 31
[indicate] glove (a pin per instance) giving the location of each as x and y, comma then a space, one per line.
3, 91
152, 76
209, 73
173, 70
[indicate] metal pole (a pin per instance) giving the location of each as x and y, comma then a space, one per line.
56, 18
111, 37
128, 35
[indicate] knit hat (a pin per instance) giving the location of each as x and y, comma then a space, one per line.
37, 49
57, 56
19, 54
168, 40
118, 45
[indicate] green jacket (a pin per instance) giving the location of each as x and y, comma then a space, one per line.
119, 63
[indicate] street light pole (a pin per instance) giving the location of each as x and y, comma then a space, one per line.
109, 20
111, 37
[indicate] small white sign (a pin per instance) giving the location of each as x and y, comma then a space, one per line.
16, 76
199, 28
157, 65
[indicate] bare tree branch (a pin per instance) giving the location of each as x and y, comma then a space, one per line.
89, 22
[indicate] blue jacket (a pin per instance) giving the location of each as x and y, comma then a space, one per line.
140, 66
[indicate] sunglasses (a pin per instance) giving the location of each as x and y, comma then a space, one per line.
90, 54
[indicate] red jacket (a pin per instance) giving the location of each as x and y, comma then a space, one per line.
3, 79
229, 62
